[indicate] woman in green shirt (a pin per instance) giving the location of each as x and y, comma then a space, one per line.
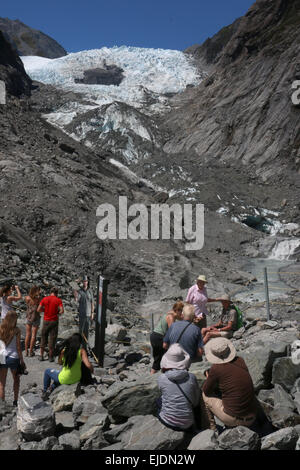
157, 335
71, 357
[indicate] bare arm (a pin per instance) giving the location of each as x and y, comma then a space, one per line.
165, 345
60, 357
228, 327
60, 310
85, 360
170, 320
14, 298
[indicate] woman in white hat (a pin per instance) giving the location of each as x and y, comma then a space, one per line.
228, 376
179, 388
197, 296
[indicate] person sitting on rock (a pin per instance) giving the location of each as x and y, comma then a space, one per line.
71, 356
227, 324
228, 392
179, 388
157, 335
187, 334
7, 298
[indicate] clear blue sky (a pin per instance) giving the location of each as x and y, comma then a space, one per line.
91, 24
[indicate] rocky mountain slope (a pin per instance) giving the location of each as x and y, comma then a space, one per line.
242, 114
29, 41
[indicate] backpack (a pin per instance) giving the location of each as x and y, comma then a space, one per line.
240, 322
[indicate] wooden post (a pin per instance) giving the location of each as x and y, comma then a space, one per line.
267, 293
101, 319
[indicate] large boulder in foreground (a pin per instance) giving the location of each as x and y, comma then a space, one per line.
239, 438
284, 439
144, 433
132, 399
35, 418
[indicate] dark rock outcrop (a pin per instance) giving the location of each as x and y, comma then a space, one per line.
29, 41
12, 71
110, 75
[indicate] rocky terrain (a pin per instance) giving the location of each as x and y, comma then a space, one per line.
29, 41
51, 185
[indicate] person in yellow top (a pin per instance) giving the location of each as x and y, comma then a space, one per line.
71, 357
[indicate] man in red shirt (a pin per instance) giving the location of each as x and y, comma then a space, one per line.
52, 307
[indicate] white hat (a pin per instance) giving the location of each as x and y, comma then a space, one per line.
201, 278
175, 358
219, 351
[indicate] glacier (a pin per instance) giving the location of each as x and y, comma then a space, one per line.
124, 111
159, 71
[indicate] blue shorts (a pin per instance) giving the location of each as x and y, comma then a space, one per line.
10, 363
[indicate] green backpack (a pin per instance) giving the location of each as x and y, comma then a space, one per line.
240, 321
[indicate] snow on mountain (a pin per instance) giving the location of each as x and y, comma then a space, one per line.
116, 117
156, 70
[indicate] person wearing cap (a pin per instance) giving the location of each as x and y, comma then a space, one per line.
197, 296
179, 388
186, 333
227, 324
228, 391
85, 300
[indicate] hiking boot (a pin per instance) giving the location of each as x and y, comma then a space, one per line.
15, 403
51, 359
45, 395
41, 358
32, 354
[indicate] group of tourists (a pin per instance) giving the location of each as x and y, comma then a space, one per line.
182, 337
72, 353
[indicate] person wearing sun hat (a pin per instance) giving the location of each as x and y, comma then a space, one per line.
179, 388
197, 296
227, 324
228, 376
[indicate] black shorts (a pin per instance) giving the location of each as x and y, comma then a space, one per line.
158, 351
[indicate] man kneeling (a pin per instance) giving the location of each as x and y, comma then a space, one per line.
228, 391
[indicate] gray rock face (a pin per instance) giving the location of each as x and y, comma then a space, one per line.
29, 41
284, 439
239, 438
97, 422
64, 396
110, 75
12, 71
283, 414
70, 441
145, 433
87, 406
133, 398
259, 361
118, 332
205, 440
285, 373
45, 444
35, 419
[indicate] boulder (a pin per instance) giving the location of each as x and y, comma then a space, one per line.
64, 396
205, 440
117, 332
35, 418
64, 420
45, 444
239, 438
285, 373
259, 360
70, 441
146, 433
297, 401
284, 439
94, 428
86, 406
298, 444
282, 415
132, 398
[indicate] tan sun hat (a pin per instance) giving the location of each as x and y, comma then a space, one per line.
219, 351
201, 278
225, 297
175, 358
